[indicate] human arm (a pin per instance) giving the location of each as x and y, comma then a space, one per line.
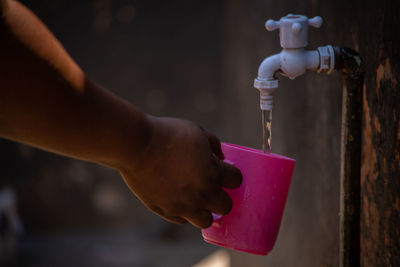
47, 101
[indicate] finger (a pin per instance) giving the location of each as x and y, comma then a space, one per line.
220, 203
229, 175
200, 219
174, 219
162, 214
215, 144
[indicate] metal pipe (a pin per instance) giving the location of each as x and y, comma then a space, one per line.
351, 65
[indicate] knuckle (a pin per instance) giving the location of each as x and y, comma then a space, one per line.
198, 199
176, 208
194, 199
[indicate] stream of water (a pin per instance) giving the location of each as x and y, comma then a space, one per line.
266, 129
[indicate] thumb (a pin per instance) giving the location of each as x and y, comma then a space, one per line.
214, 142
215, 145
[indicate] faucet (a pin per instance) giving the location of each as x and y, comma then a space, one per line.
293, 60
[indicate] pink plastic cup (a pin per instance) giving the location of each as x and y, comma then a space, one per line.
253, 224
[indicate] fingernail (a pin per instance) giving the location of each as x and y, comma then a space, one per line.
229, 162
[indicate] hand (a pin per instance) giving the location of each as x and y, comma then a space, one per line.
181, 174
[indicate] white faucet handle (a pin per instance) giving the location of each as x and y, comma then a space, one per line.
272, 25
293, 29
296, 27
316, 22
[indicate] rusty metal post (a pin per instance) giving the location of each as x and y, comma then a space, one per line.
350, 63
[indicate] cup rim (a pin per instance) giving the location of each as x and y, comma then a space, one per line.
257, 151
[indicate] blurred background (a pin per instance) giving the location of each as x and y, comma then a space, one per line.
194, 60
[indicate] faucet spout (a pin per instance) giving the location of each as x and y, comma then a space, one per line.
266, 82
269, 67
290, 62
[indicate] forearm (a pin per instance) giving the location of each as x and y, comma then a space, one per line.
172, 165
47, 101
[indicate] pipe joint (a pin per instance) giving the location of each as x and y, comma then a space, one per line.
326, 59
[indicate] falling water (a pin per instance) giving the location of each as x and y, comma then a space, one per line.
266, 127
